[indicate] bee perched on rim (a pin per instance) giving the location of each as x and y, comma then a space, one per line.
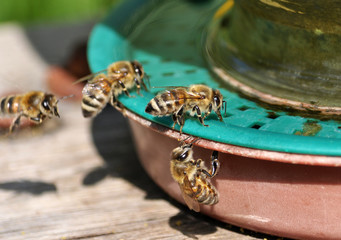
193, 177
34, 105
197, 99
102, 88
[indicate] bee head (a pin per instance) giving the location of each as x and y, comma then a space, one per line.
138, 68
184, 152
49, 105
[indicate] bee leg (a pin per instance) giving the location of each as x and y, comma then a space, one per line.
198, 111
214, 168
215, 163
181, 122
15, 124
138, 86
118, 105
198, 163
219, 114
144, 85
181, 126
180, 118
174, 120
209, 110
175, 117
38, 119
203, 168
124, 88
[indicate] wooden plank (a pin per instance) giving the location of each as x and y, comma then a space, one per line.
76, 178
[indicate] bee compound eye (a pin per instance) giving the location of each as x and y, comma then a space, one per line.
46, 105
138, 71
137, 68
216, 100
183, 156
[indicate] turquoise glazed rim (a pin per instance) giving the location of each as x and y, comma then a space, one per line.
168, 38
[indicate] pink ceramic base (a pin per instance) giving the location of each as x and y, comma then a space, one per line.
276, 197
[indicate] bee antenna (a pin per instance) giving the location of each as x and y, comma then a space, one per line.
183, 141
146, 76
194, 141
190, 144
87, 77
168, 87
224, 102
65, 97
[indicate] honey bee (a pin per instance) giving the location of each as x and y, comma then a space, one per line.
196, 99
34, 105
193, 177
103, 88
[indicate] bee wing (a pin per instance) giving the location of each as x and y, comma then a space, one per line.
169, 87
186, 95
88, 77
191, 95
191, 203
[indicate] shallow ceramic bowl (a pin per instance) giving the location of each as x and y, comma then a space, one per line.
284, 194
291, 195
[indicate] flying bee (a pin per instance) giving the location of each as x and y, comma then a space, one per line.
193, 177
103, 88
34, 105
197, 99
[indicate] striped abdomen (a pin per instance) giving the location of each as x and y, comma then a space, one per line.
205, 192
167, 102
96, 95
10, 104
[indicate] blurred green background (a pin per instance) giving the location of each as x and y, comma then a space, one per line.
36, 11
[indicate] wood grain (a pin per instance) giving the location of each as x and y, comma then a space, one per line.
76, 178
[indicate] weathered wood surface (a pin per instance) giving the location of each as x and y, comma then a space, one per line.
76, 178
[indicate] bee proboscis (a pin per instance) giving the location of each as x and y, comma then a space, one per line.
34, 105
102, 88
193, 177
197, 99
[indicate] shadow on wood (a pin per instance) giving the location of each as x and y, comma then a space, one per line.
191, 224
111, 136
27, 186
